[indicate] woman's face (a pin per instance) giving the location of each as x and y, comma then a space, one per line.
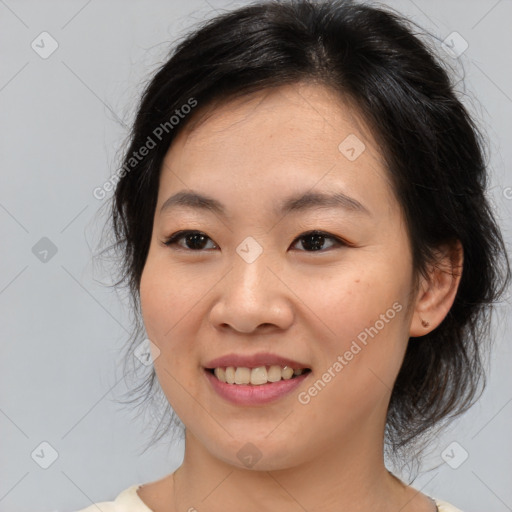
254, 284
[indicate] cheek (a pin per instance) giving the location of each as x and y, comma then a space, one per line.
153, 303
351, 302
164, 311
171, 307
164, 299
364, 318
357, 366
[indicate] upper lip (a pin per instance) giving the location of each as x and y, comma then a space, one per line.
253, 361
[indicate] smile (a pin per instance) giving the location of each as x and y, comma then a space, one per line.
242, 375
241, 391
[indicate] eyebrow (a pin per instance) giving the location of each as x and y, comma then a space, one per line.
300, 202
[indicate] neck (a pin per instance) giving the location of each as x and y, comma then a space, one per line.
351, 476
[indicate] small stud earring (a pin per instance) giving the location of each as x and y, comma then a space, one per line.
424, 323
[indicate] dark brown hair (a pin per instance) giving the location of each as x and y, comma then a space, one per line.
434, 152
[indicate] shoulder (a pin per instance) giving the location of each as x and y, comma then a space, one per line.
444, 506
126, 501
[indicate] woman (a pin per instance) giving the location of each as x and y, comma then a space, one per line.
303, 221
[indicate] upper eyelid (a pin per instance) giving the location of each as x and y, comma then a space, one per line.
174, 238
179, 235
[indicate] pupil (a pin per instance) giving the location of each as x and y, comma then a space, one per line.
197, 241
317, 242
195, 244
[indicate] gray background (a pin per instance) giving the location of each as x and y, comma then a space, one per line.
62, 120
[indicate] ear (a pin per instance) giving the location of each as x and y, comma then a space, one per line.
437, 292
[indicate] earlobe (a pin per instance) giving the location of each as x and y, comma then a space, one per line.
437, 292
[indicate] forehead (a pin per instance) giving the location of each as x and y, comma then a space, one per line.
298, 133
289, 113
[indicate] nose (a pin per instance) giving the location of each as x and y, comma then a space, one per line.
252, 297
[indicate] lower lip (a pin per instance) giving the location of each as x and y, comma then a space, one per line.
248, 394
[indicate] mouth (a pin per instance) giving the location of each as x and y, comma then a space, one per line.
258, 376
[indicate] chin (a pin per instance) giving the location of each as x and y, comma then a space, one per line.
258, 454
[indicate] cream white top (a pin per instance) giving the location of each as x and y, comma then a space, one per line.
129, 501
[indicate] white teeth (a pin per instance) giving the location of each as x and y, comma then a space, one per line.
274, 373
255, 376
230, 375
220, 373
242, 376
259, 375
287, 373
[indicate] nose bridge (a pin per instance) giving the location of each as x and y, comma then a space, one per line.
250, 274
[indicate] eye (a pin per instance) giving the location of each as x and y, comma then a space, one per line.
194, 240
314, 240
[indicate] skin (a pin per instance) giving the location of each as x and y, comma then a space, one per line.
250, 154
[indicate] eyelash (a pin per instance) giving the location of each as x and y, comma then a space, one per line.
174, 238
